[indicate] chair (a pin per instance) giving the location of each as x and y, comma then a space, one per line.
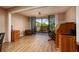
51, 35
27, 32
1, 40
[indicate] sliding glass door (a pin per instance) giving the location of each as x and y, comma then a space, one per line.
42, 25
38, 25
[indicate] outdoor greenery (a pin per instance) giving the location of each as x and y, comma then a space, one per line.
41, 24
45, 24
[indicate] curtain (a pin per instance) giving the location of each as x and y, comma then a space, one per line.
33, 24
51, 20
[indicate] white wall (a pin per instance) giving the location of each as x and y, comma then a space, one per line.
77, 22
71, 15
68, 16
59, 18
3, 23
20, 22
56, 22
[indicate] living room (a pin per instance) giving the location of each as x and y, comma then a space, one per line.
19, 19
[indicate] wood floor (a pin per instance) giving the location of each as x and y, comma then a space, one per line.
32, 43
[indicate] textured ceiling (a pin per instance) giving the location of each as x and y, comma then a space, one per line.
44, 11
40, 11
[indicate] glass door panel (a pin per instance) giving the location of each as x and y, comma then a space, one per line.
44, 25
38, 25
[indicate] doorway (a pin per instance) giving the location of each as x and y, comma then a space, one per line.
42, 25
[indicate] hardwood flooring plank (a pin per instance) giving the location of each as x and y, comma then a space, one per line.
32, 43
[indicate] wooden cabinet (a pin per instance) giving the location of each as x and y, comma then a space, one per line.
64, 40
67, 43
57, 40
15, 35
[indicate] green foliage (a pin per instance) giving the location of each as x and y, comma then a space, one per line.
38, 23
41, 24
44, 24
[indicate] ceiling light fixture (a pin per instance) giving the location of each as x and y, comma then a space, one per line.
39, 13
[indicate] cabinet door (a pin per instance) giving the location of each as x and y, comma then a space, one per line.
62, 43
72, 43
15, 35
67, 43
